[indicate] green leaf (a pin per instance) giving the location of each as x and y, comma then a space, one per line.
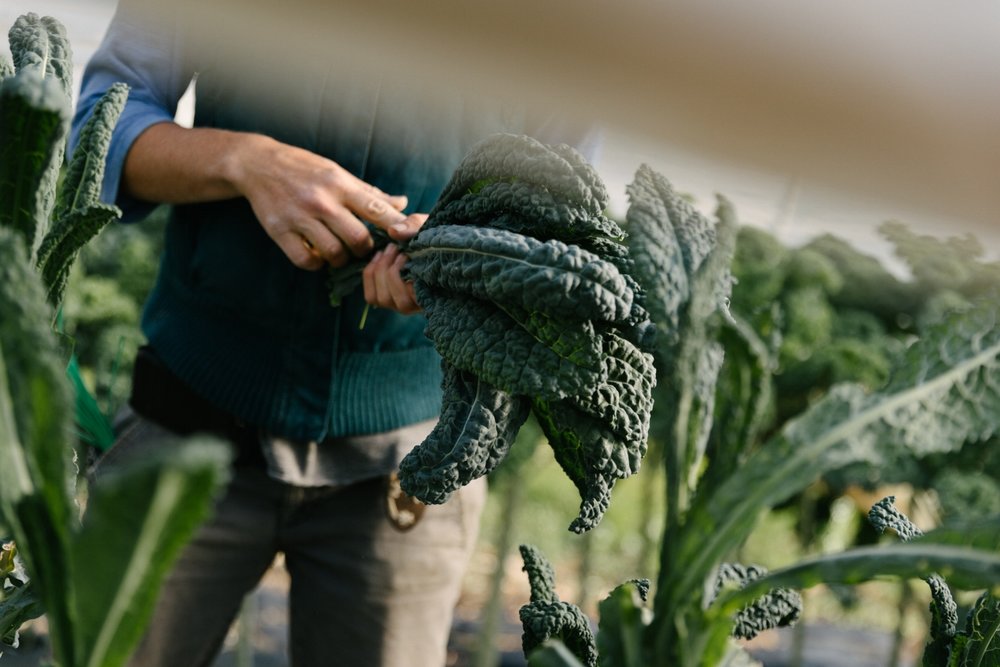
502, 156
80, 225
967, 568
478, 425
137, 520
563, 281
744, 397
17, 605
981, 645
653, 245
964, 567
79, 214
34, 448
944, 611
942, 394
478, 337
40, 43
553, 653
34, 118
624, 619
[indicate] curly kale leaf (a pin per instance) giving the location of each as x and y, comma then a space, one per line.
942, 395
558, 279
979, 644
79, 214
34, 117
525, 284
621, 401
884, 515
944, 611
780, 607
475, 432
480, 338
41, 43
541, 575
546, 617
656, 250
506, 156
601, 437
528, 209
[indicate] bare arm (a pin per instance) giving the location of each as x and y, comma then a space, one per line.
309, 205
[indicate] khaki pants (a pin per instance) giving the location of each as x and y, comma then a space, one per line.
362, 592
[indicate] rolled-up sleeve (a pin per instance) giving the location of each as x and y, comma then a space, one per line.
149, 56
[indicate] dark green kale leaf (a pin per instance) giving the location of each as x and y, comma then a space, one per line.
546, 616
475, 431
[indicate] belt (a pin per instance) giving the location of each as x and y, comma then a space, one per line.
162, 397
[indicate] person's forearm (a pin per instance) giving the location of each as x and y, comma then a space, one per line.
171, 164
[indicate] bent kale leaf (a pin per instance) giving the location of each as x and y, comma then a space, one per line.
547, 617
525, 285
558, 279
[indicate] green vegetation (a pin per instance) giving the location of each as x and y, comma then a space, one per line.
95, 579
527, 323
940, 397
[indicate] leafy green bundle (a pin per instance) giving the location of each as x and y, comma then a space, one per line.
528, 297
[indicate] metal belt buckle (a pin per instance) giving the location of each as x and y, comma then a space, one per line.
404, 511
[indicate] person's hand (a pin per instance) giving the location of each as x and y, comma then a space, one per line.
312, 207
384, 286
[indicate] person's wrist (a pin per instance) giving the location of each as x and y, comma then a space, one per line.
240, 155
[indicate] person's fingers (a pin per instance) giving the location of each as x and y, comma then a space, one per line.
368, 279
383, 283
383, 289
324, 243
375, 207
299, 251
408, 227
398, 202
402, 291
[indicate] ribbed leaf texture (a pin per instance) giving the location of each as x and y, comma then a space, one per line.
39, 44
944, 611
79, 214
478, 337
979, 645
558, 279
656, 251
779, 607
546, 617
34, 117
476, 429
507, 156
35, 409
525, 285
945, 392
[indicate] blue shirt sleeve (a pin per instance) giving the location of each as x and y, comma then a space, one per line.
148, 55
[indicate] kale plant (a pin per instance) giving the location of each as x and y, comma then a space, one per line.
96, 579
529, 299
942, 394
